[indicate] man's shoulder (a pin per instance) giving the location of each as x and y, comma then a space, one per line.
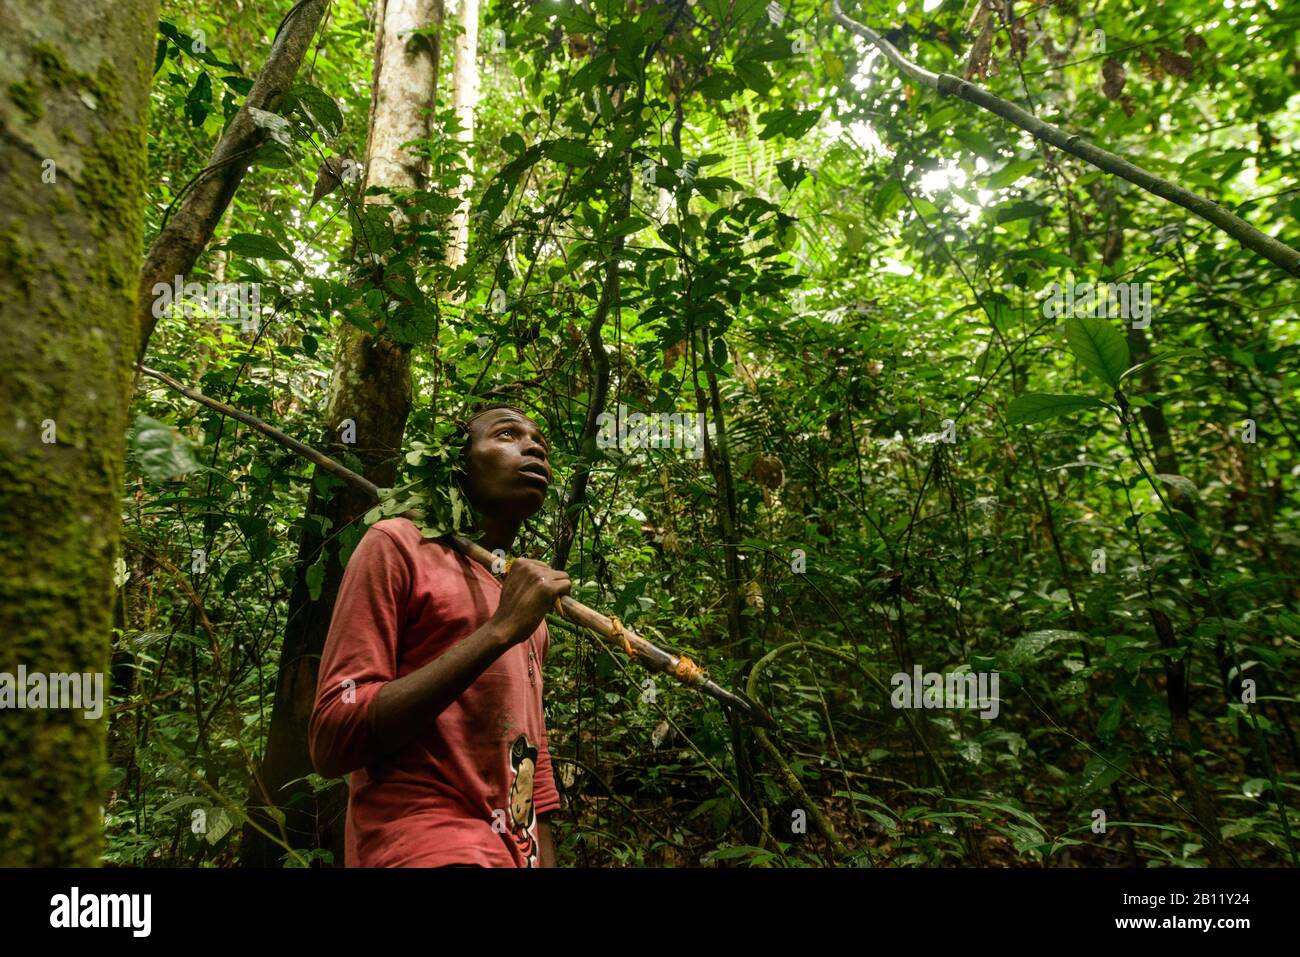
408, 537
399, 528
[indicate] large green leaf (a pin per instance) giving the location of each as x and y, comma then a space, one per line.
252, 246
572, 152
1099, 346
1010, 173
1030, 648
162, 453
320, 106
1162, 357
1039, 406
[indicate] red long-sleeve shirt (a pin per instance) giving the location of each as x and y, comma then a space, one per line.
467, 790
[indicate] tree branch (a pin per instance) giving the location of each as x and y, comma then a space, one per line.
1271, 249
178, 245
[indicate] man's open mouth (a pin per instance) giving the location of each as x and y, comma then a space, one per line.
538, 471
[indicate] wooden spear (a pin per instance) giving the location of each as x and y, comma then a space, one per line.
609, 629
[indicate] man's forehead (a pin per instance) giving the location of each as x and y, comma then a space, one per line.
493, 416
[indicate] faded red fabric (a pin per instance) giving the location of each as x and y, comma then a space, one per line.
468, 791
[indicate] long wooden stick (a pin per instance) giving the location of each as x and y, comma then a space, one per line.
609, 629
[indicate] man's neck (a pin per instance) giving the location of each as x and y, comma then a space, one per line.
499, 533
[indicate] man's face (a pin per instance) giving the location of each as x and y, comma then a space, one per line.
508, 468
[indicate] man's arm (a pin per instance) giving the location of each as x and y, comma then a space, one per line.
405, 706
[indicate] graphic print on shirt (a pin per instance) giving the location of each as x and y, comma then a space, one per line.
523, 761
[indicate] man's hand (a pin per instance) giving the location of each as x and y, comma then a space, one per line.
405, 705
527, 594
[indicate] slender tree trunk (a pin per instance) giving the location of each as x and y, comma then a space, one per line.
464, 100
1182, 744
717, 458
74, 100
588, 452
190, 228
371, 386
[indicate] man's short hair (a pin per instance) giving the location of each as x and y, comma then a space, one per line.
482, 408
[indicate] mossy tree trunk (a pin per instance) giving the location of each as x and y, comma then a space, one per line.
74, 96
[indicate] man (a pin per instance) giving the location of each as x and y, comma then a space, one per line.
430, 690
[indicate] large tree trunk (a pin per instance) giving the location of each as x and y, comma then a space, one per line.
75, 82
177, 247
371, 385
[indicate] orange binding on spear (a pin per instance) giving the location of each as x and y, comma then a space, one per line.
610, 630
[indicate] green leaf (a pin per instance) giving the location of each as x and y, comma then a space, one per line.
372, 228
1185, 486
1005, 806
718, 86
977, 142
790, 173
316, 579
219, 825
1029, 648
571, 152
1162, 357
1099, 346
240, 84
716, 8
772, 50
274, 156
198, 103
774, 122
252, 246
754, 75
320, 107
1109, 722
1020, 209
1010, 173
924, 208
1040, 406
888, 199
628, 226
513, 143
161, 451
739, 851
